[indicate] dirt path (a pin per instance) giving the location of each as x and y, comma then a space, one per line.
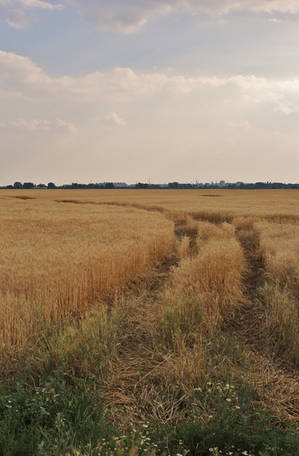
277, 385
135, 385
247, 319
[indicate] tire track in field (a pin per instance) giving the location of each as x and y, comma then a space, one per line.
248, 320
180, 219
135, 384
277, 386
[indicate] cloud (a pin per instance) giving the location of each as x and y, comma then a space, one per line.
240, 125
30, 125
63, 125
274, 20
38, 125
123, 16
130, 15
179, 125
19, 13
40, 4
18, 19
114, 118
255, 6
21, 78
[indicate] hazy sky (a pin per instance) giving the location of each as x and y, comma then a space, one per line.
101, 90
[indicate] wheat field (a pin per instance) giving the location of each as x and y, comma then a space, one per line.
264, 203
58, 261
160, 298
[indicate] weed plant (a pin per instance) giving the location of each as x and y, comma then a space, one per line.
64, 415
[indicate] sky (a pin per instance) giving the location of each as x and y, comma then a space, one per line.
159, 90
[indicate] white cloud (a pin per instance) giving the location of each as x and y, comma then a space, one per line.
115, 119
240, 125
256, 6
178, 125
20, 77
30, 125
18, 19
40, 4
65, 126
39, 125
19, 13
274, 20
123, 16
130, 15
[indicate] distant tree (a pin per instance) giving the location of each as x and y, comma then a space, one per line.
28, 185
41, 186
17, 185
109, 185
51, 185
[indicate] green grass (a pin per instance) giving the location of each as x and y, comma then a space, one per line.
64, 415
234, 427
58, 415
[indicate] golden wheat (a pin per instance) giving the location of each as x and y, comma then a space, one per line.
280, 249
208, 231
66, 254
183, 248
211, 205
204, 290
58, 260
279, 245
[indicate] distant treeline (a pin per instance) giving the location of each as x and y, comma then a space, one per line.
141, 185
